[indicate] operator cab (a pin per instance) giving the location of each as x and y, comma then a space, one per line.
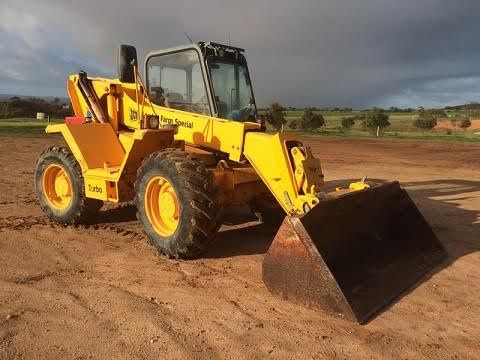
204, 78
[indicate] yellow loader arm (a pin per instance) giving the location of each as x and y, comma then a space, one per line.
290, 171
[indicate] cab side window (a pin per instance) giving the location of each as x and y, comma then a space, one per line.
176, 81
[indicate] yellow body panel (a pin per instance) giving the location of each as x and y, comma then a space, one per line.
93, 144
205, 131
99, 188
109, 162
109, 154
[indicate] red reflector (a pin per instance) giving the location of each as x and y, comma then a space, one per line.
75, 120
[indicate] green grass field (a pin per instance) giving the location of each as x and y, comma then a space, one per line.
401, 128
24, 126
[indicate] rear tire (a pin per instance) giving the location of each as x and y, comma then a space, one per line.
186, 216
71, 206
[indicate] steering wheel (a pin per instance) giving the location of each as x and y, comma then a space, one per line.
240, 114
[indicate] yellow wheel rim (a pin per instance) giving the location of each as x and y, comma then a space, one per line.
57, 187
162, 206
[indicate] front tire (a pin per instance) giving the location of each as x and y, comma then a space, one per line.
176, 203
60, 188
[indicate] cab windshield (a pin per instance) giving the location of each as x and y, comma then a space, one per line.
232, 90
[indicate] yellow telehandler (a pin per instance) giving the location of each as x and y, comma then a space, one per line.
187, 142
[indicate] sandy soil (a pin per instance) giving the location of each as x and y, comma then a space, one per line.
102, 292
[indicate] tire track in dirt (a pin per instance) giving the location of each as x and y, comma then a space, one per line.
27, 280
23, 222
28, 222
167, 322
139, 311
26, 200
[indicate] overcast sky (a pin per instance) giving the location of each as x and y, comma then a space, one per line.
357, 53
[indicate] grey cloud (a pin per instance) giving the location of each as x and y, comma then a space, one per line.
332, 52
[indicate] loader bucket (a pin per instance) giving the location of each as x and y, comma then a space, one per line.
352, 255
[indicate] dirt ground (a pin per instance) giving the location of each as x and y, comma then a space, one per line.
102, 292
447, 124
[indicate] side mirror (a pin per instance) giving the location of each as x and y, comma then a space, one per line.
126, 60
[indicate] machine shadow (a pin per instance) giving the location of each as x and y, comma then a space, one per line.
119, 214
241, 234
250, 240
439, 201
456, 227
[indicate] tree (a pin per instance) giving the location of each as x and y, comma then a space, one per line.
17, 107
376, 120
311, 120
293, 124
275, 115
453, 121
438, 112
426, 120
465, 123
348, 122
